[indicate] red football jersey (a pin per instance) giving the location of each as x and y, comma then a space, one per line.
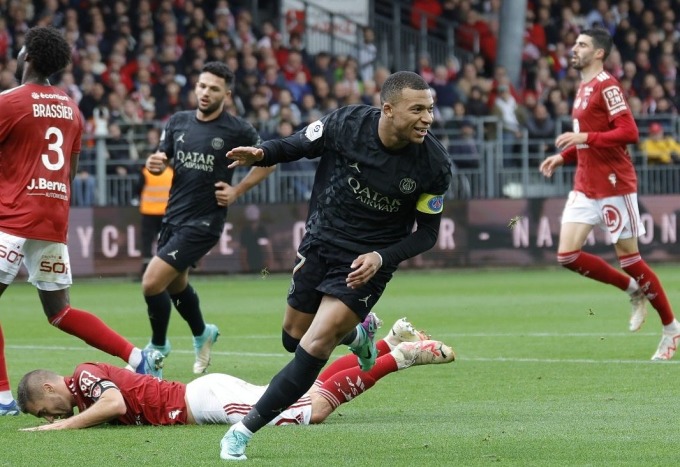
40, 129
149, 401
607, 170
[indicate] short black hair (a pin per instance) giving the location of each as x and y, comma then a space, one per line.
48, 49
219, 69
396, 82
601, 40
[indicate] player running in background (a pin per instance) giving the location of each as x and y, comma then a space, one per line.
380, 172
200, 194
40, 131
105, 393
605, 188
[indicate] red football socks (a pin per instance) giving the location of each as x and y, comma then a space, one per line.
593, 267
4, 378
347, 384
650, 285
92, 330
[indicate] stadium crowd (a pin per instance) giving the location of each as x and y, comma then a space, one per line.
135, 63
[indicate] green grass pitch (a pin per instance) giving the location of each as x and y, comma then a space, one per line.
547, 375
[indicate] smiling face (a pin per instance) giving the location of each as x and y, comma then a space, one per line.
211, 90
410, 117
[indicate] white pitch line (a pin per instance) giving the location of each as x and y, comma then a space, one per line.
559, 360
80, 349
460, 358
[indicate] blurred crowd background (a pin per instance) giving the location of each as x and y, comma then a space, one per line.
135, 63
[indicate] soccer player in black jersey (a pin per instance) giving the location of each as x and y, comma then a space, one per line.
200, 194
380, 171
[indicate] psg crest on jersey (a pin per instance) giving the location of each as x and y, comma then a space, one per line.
407, 185
217, 143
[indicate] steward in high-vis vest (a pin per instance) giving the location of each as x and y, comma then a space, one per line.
155, 192
153, 199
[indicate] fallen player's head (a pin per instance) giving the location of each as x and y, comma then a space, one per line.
44, 394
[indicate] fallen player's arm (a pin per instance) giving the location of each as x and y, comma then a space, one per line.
109, 406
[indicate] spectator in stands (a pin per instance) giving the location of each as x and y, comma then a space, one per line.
541, 130
635, 105
475, 30
465, 80
368, 54
425, 67
660, 149
463, 147
285, 100
500, 77
371, 95
296, 43
322, 66
535, 41
445, 90
118, 151
424, 13
299, 87
506, 108
294, 64
84, 186
308, 106
476, 103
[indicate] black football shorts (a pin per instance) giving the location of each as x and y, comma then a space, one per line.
322, 270
183, 246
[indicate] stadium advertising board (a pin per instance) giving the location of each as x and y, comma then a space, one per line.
106, 241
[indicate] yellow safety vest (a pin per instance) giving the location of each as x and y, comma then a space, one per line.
156, 192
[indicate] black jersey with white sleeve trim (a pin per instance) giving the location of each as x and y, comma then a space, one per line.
197, 149
365, 196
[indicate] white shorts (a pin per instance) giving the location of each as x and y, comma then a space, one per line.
619, 215
48, 264
223, 399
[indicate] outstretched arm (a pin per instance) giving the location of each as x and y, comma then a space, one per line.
109, 406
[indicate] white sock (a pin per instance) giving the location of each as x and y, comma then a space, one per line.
632, 287
6, 397
673, 327
239, 426
135, 358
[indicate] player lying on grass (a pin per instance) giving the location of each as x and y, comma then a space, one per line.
105, 393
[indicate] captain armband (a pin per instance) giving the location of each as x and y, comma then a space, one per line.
430, 204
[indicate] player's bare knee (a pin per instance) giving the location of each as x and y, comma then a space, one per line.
151, 287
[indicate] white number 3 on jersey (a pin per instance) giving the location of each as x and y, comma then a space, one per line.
54, 146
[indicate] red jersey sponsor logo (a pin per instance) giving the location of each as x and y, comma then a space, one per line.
614, 99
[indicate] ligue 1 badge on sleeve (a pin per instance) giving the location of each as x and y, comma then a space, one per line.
314, 130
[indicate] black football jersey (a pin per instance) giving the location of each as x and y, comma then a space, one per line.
198, 151
365, 197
